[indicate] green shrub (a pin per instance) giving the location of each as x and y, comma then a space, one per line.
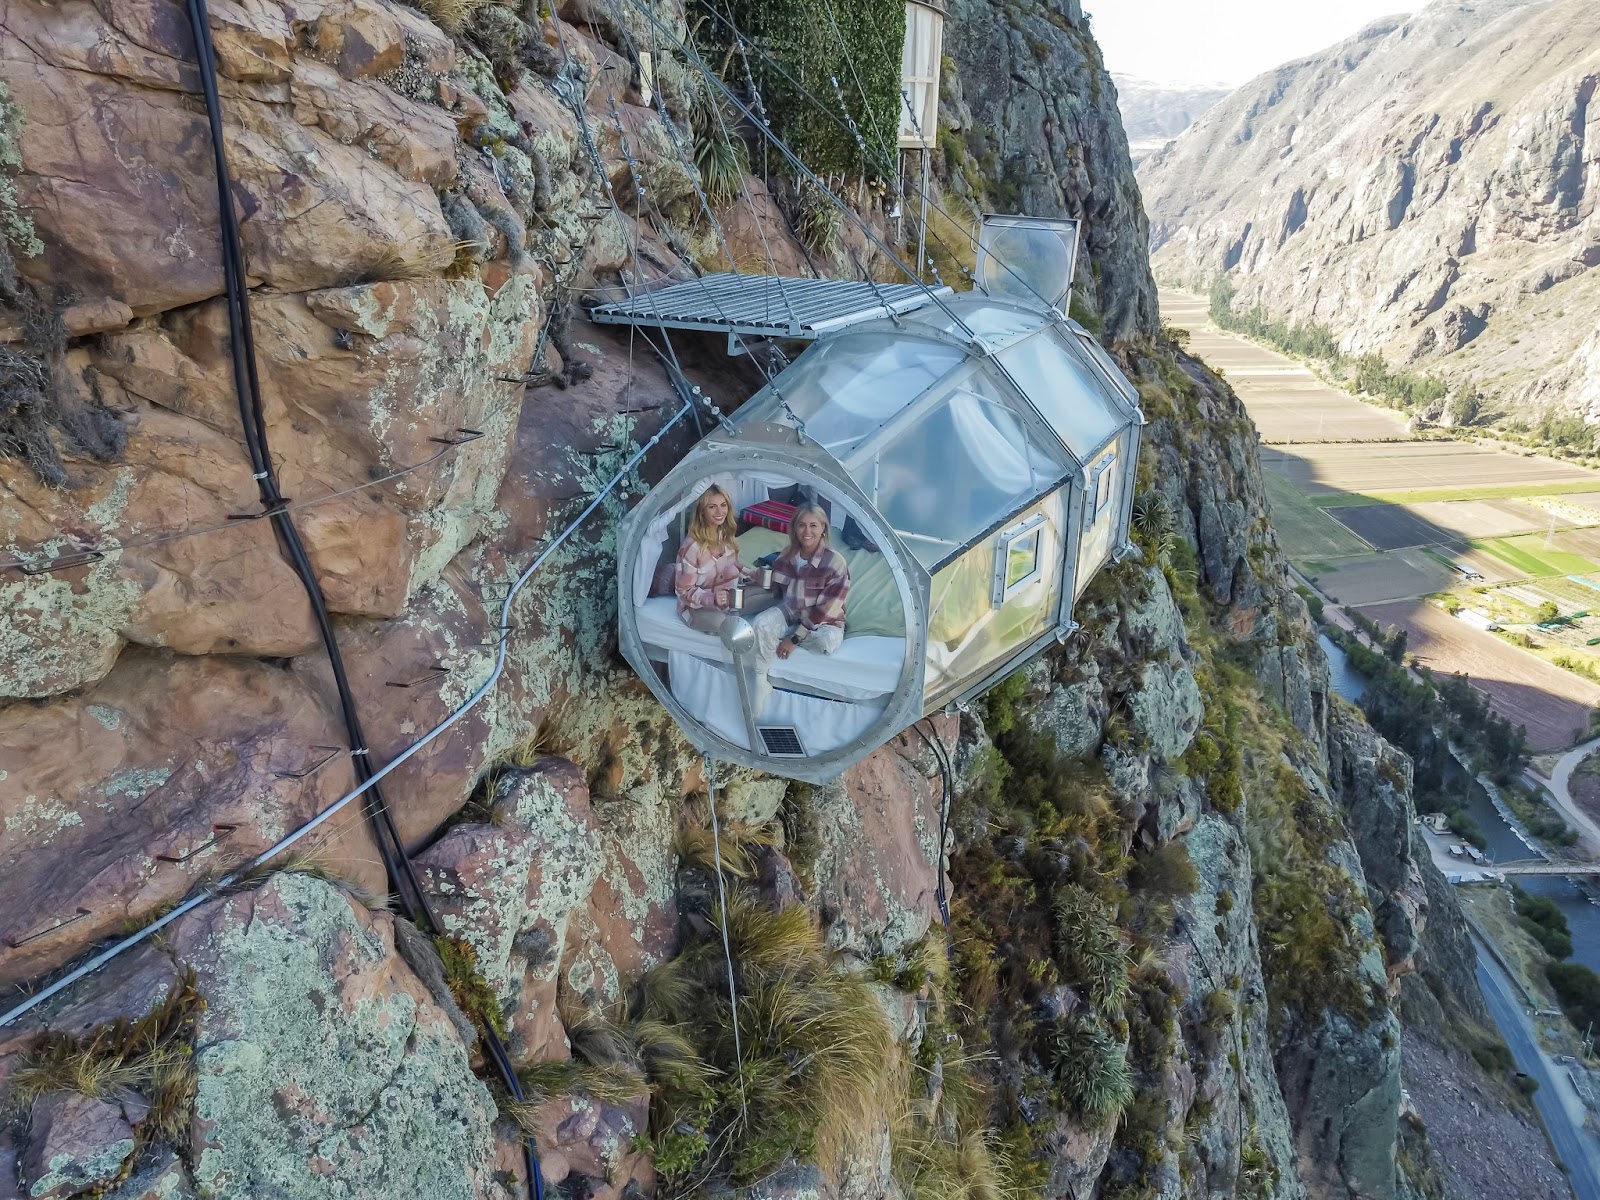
1464, 827
1313, 602
1091, 949
1091, 1068
808, 50
999, 704
1578, 990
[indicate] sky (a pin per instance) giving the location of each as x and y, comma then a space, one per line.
1223, 41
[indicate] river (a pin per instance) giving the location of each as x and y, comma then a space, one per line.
1343, 677
1582, 913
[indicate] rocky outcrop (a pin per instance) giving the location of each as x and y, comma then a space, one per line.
1426, 189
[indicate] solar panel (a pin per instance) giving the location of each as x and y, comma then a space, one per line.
781, 741
766, 305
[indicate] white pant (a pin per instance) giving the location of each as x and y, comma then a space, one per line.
770, 628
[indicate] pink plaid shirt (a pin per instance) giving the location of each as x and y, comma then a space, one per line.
699, 573
813, 594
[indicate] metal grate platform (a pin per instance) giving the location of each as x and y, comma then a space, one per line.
766, 305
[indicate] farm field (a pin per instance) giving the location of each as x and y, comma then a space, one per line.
1585, 542
1554, 705
1374, 470
1379, 520
1585, 499
1286, 400
1365, 579
1536, 555
1467, 519
1304, 529
1391, 527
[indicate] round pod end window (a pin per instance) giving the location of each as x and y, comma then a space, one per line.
768, 611
1028, 259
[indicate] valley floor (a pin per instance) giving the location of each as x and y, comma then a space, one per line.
1389, 524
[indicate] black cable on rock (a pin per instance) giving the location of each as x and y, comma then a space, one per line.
947, 783
408, 888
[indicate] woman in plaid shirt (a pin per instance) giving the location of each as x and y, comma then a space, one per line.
708, 564
811, 580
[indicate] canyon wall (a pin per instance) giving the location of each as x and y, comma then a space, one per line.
1425, 189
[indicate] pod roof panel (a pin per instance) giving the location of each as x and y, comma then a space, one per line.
766, 305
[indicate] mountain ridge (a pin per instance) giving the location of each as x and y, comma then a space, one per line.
1426, 189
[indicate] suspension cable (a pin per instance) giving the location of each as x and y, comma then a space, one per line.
722, 903
402, 876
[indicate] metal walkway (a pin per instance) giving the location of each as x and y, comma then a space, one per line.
766, 305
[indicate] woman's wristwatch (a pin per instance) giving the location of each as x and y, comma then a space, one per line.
799, 635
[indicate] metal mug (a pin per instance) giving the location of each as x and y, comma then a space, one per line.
766, 577
736, 600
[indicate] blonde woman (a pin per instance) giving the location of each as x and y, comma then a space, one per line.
811, 580
708, 563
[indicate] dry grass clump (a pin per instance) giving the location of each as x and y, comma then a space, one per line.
813, 1061
967, 1164
739, 842
151, 1057
451, 15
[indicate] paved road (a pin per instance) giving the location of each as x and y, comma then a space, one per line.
1558, 1105
1559, 785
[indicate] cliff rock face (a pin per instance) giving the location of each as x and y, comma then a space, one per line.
417, 198
1426, 189
1033, 111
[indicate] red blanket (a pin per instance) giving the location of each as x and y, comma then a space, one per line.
770, 514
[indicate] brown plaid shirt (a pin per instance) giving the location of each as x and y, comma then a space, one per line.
813, 594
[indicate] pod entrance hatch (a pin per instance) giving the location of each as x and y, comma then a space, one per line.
766, 305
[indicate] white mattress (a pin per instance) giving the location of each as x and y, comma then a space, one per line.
710, 693
863, 668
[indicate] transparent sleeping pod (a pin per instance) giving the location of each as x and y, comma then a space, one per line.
976, 460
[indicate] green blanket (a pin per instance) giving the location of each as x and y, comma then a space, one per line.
873, 607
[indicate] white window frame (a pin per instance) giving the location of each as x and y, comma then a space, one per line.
1002, 590
919, 76
1099, 479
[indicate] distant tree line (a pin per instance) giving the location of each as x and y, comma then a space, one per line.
1422, 716
1367, 373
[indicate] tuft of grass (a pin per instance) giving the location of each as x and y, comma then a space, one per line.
1166, 871
541, 1081
555, 735
969, 1164
152, 1056
698, 847
451, 15
1092, 1069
